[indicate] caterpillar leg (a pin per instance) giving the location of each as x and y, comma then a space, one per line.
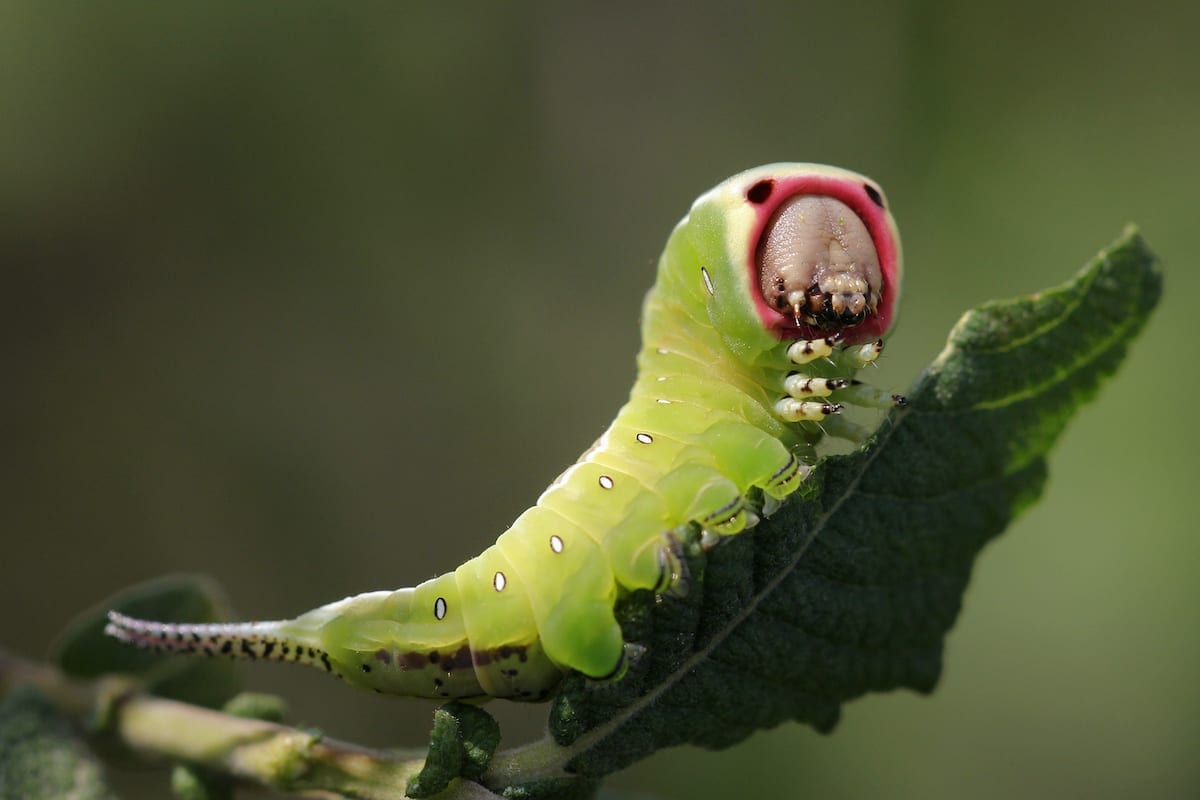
675, 578
792, 410
803, 351
734, 517
802, 386
859, 356
804, 391
854, 357
785, 481
861, 394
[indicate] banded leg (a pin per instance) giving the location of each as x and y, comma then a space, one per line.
859, 393
792, 410
676, 578
785, 481
803, 351
733, 518
859, 356
804, 400
802, 386
804, 390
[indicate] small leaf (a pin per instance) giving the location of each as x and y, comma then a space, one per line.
852, 586
461, 746
41, 758
197, 783
84, 651
256, 705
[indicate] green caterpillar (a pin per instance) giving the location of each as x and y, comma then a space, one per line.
779, 267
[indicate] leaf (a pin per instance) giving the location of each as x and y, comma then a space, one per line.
852, 586
41, 758
256, 705
84, 651
461, 745
195, 783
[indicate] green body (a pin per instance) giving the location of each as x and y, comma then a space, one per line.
699, 432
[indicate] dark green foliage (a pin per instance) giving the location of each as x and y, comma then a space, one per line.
256, 705
461, 745
41, 757
852, 587
196, 783
84, 651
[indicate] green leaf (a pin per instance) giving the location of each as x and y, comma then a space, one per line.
41, 758
461, 745
197, 783
256, 705
852, 586
83, 650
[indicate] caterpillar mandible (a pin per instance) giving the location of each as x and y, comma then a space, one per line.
777, 286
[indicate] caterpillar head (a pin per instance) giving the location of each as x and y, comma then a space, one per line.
825, 255
795, 251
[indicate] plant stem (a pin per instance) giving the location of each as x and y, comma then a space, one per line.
264, 753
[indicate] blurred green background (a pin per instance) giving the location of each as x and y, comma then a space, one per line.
316, 298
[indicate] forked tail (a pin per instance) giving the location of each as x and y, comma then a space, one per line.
273, 641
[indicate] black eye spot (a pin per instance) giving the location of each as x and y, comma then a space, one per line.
874, 194
760, 191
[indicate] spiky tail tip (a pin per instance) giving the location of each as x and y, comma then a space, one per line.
246, 640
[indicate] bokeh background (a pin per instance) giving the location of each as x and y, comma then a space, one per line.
316, 297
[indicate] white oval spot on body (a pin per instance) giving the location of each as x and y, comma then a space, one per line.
707, 282
499, 582
662, 402
662, 351
439, 608
606, 482
645, 438
660, 378
556, 543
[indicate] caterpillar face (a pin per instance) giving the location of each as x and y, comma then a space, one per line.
824, 256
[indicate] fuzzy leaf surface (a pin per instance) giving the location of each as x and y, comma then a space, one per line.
41, 754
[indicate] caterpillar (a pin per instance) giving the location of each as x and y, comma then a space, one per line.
776, 287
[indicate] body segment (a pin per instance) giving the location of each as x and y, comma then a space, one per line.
783, 268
